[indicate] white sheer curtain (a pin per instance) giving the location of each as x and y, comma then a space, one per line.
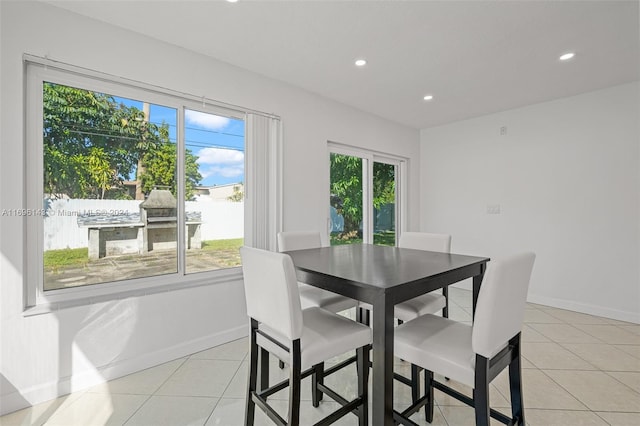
263, 189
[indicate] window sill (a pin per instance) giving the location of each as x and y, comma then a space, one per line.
90, 296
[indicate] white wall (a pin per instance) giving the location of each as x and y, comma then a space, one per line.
46, 355
566, 176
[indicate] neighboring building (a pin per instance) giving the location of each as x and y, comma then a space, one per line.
220, 192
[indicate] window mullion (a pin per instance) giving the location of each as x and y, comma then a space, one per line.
180, 185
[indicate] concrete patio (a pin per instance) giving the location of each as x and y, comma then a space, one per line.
157, 262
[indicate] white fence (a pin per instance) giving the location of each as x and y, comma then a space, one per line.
220, 219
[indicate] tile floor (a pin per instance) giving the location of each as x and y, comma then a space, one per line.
578, 370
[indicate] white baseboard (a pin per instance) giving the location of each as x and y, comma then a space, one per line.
600, 311
20, 399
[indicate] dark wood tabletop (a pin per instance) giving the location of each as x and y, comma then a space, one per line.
384, 276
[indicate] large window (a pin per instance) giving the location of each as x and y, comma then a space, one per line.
363, 196
129, 187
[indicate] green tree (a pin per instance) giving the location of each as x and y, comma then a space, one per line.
346, 188
238, 194
92, 144
160, 170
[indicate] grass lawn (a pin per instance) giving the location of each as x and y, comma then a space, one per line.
379, 238
65, 257
233, 244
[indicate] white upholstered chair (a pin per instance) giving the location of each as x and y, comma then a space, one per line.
309, 295
474, 354
303, 338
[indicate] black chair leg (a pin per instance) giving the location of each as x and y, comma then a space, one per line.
264, 369
250, 408
481, 391
294, 385
445, 310
317, 378
415, 383
363, 384
515, 383
362, 316
428, 390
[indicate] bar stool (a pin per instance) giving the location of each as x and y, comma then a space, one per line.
301, 338
474, 354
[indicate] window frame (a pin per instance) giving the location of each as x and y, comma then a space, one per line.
36, 300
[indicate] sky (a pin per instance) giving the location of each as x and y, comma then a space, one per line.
217, 141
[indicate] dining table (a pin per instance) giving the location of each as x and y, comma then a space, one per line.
384, 276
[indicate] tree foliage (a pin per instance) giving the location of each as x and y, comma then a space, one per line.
238, 194
160, 170
92, 144
346, 188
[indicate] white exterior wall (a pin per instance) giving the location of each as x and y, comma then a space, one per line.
220, 219
566, 177
51, 354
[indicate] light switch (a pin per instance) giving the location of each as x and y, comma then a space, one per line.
493, 208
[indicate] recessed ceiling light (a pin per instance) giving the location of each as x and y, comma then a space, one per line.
428, 97
232, 1
567, 56
360, 62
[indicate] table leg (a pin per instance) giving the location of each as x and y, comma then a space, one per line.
477, 282
382, 394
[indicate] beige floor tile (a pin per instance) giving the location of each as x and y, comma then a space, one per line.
237, 388
611, 334
230, 412
597, 390
438, 418
463, 416
233, 351
535, 316
630, 379
631, 328
633, 350
571, 317
564, 333
457, 313
460, 297
604, 357
530, 334
496, 398
552, 356
537, 417
173, 410
39, 413
97, 409
621, 419
540, 392
144, 382
200, 377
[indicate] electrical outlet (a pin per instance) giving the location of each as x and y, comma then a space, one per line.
503, 130
493, 208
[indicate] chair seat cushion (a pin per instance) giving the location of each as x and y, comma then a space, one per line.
316, 297
439, 345
429, 303
324, 335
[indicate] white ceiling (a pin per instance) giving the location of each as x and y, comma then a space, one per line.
475, 57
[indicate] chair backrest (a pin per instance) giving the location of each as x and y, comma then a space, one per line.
298, 240
425, 241
271, 291
501, 303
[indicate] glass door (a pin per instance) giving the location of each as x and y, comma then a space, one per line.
363, 197
384, 203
